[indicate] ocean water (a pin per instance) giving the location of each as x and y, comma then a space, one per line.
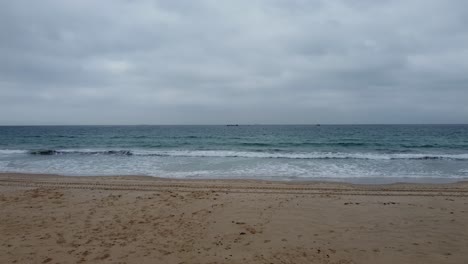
352, 153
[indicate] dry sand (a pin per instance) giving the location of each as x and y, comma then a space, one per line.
53, 219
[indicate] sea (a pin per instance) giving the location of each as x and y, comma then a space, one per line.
347, 153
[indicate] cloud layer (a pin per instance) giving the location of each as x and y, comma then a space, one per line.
216, 62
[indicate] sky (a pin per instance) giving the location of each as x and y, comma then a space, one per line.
65, 62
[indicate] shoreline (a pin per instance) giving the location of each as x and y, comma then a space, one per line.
291, 180
140, 219
156, 184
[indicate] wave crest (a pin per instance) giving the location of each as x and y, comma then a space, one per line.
246, 154
310, 155
84, 152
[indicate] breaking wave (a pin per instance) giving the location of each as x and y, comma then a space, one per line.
246, 154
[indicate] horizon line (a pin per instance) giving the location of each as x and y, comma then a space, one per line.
240, 124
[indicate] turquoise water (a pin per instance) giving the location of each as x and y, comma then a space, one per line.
340, 152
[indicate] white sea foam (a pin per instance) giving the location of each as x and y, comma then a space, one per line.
245, 154
12, 151
181, 165
306, 155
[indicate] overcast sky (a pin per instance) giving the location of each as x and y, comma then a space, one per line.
233, 61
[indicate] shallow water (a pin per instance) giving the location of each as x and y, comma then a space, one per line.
356, 153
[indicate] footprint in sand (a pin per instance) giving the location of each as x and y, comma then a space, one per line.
47, 260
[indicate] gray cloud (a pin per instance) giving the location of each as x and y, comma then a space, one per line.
216, 62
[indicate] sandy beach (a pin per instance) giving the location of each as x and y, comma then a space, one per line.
55, 219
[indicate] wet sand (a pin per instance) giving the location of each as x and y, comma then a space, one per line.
54, 219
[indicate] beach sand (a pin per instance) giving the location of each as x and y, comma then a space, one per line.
54, 219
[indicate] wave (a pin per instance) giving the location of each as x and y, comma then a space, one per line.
303, 144
256, 144
248, 154
354, 144
12, 151
89, 152
311, 155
